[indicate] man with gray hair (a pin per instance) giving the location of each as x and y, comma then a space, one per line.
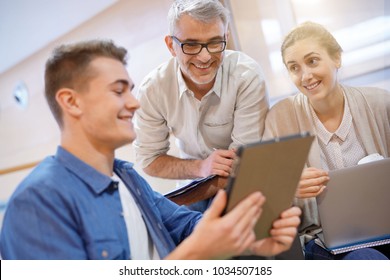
211, 99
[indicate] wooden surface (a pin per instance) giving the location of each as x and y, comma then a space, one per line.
19, 167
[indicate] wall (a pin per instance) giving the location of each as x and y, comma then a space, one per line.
28, 135
362, 29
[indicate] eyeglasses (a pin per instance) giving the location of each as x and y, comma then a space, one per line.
196, 48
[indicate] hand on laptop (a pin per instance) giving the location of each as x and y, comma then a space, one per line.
312, 182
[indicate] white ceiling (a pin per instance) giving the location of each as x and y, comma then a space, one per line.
27, 26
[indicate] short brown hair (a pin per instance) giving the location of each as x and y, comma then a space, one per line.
68, 68
313, 31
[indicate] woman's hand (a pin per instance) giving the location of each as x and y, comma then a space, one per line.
312, 182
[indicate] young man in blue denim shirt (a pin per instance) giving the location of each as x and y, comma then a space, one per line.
82, 203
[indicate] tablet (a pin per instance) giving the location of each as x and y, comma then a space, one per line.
273, 167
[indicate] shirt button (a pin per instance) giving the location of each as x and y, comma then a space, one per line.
104, 254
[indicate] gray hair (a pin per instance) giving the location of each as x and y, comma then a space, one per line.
202, 10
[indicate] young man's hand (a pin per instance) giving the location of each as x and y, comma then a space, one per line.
217, 236
282, 233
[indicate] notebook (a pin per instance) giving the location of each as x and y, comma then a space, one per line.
354, 208
273, 167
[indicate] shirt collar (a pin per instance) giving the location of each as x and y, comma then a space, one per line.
346, 123
97, 181
322, 133
342, 131
183, 86
218, 82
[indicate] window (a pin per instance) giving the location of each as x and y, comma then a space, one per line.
362, 29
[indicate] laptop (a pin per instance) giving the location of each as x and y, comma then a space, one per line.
273, 167
354, 209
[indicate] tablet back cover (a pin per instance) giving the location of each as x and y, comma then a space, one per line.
273, 167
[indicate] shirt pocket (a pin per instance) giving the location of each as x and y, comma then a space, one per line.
218, 134
106, 250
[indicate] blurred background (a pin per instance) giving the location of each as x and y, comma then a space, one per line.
29, 30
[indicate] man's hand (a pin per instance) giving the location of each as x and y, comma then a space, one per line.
218, 236
282, 233
219, 162
312, 182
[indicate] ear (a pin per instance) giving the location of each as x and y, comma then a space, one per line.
68, 101
339, 64
227, 35
337, 61
169, 43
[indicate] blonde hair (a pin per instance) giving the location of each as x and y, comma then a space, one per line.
316, 32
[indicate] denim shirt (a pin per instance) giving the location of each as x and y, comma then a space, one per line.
65, 209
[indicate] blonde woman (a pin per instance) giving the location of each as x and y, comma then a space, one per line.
350, 123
